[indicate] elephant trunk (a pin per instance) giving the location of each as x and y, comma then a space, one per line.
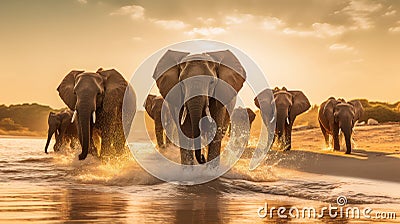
159, 133
347, 136
281, 120
85, 132
195, 107
50, 133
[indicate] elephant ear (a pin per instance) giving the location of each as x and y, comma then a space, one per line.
148, 105
66, 89
256, 102
300, 104
230, 70
251, 115
329, 108
114, 89
358, 109
166, 73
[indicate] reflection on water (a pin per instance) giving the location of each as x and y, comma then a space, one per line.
41, 188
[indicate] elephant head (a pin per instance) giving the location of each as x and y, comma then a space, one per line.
96, 98
153, 106
288, 105
200, 80
251, 115
335, 115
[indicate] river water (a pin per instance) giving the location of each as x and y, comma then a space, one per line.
57, 188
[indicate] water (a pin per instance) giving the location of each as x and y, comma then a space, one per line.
35, 187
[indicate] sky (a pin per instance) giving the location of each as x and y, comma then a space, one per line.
341, 48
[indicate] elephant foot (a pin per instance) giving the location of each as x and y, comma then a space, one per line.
287, 148
347, 152
203, 159
82, 156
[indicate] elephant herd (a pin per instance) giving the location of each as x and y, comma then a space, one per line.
192, 87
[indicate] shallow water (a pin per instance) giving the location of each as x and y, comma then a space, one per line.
35, 187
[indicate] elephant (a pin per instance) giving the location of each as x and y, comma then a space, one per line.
197, 86
153, 106
60, 125
289, 104
97, 100
246, 112
339, 115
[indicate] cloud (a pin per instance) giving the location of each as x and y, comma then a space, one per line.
272, 23
170, 24
340, 47
138, 12
264, 22
390, 13
82, 1
206, 21
205, 31
319, 30
134, 11
395, 29
360, 12
238, 18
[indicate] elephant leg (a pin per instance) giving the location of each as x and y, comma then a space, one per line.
187, 157
93, 149
72, 144
214, 150
105, 144
325, 133
336, 143
288, 138
59, 142
119, 144
167, 140
159, 135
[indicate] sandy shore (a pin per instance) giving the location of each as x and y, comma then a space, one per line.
376, 154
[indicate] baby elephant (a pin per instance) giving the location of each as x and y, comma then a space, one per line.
60, 124
335, 115
153, 106
242, 113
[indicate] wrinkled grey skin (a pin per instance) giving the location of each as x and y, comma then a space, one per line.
153, 106
101, 92
173, 69
60, 125
335, 115
289, 104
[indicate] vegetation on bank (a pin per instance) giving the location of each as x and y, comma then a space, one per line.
24, 119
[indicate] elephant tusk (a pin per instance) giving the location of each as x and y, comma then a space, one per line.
208, 114
74, 116
94, 117
287, 120
184, 113
272, 120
